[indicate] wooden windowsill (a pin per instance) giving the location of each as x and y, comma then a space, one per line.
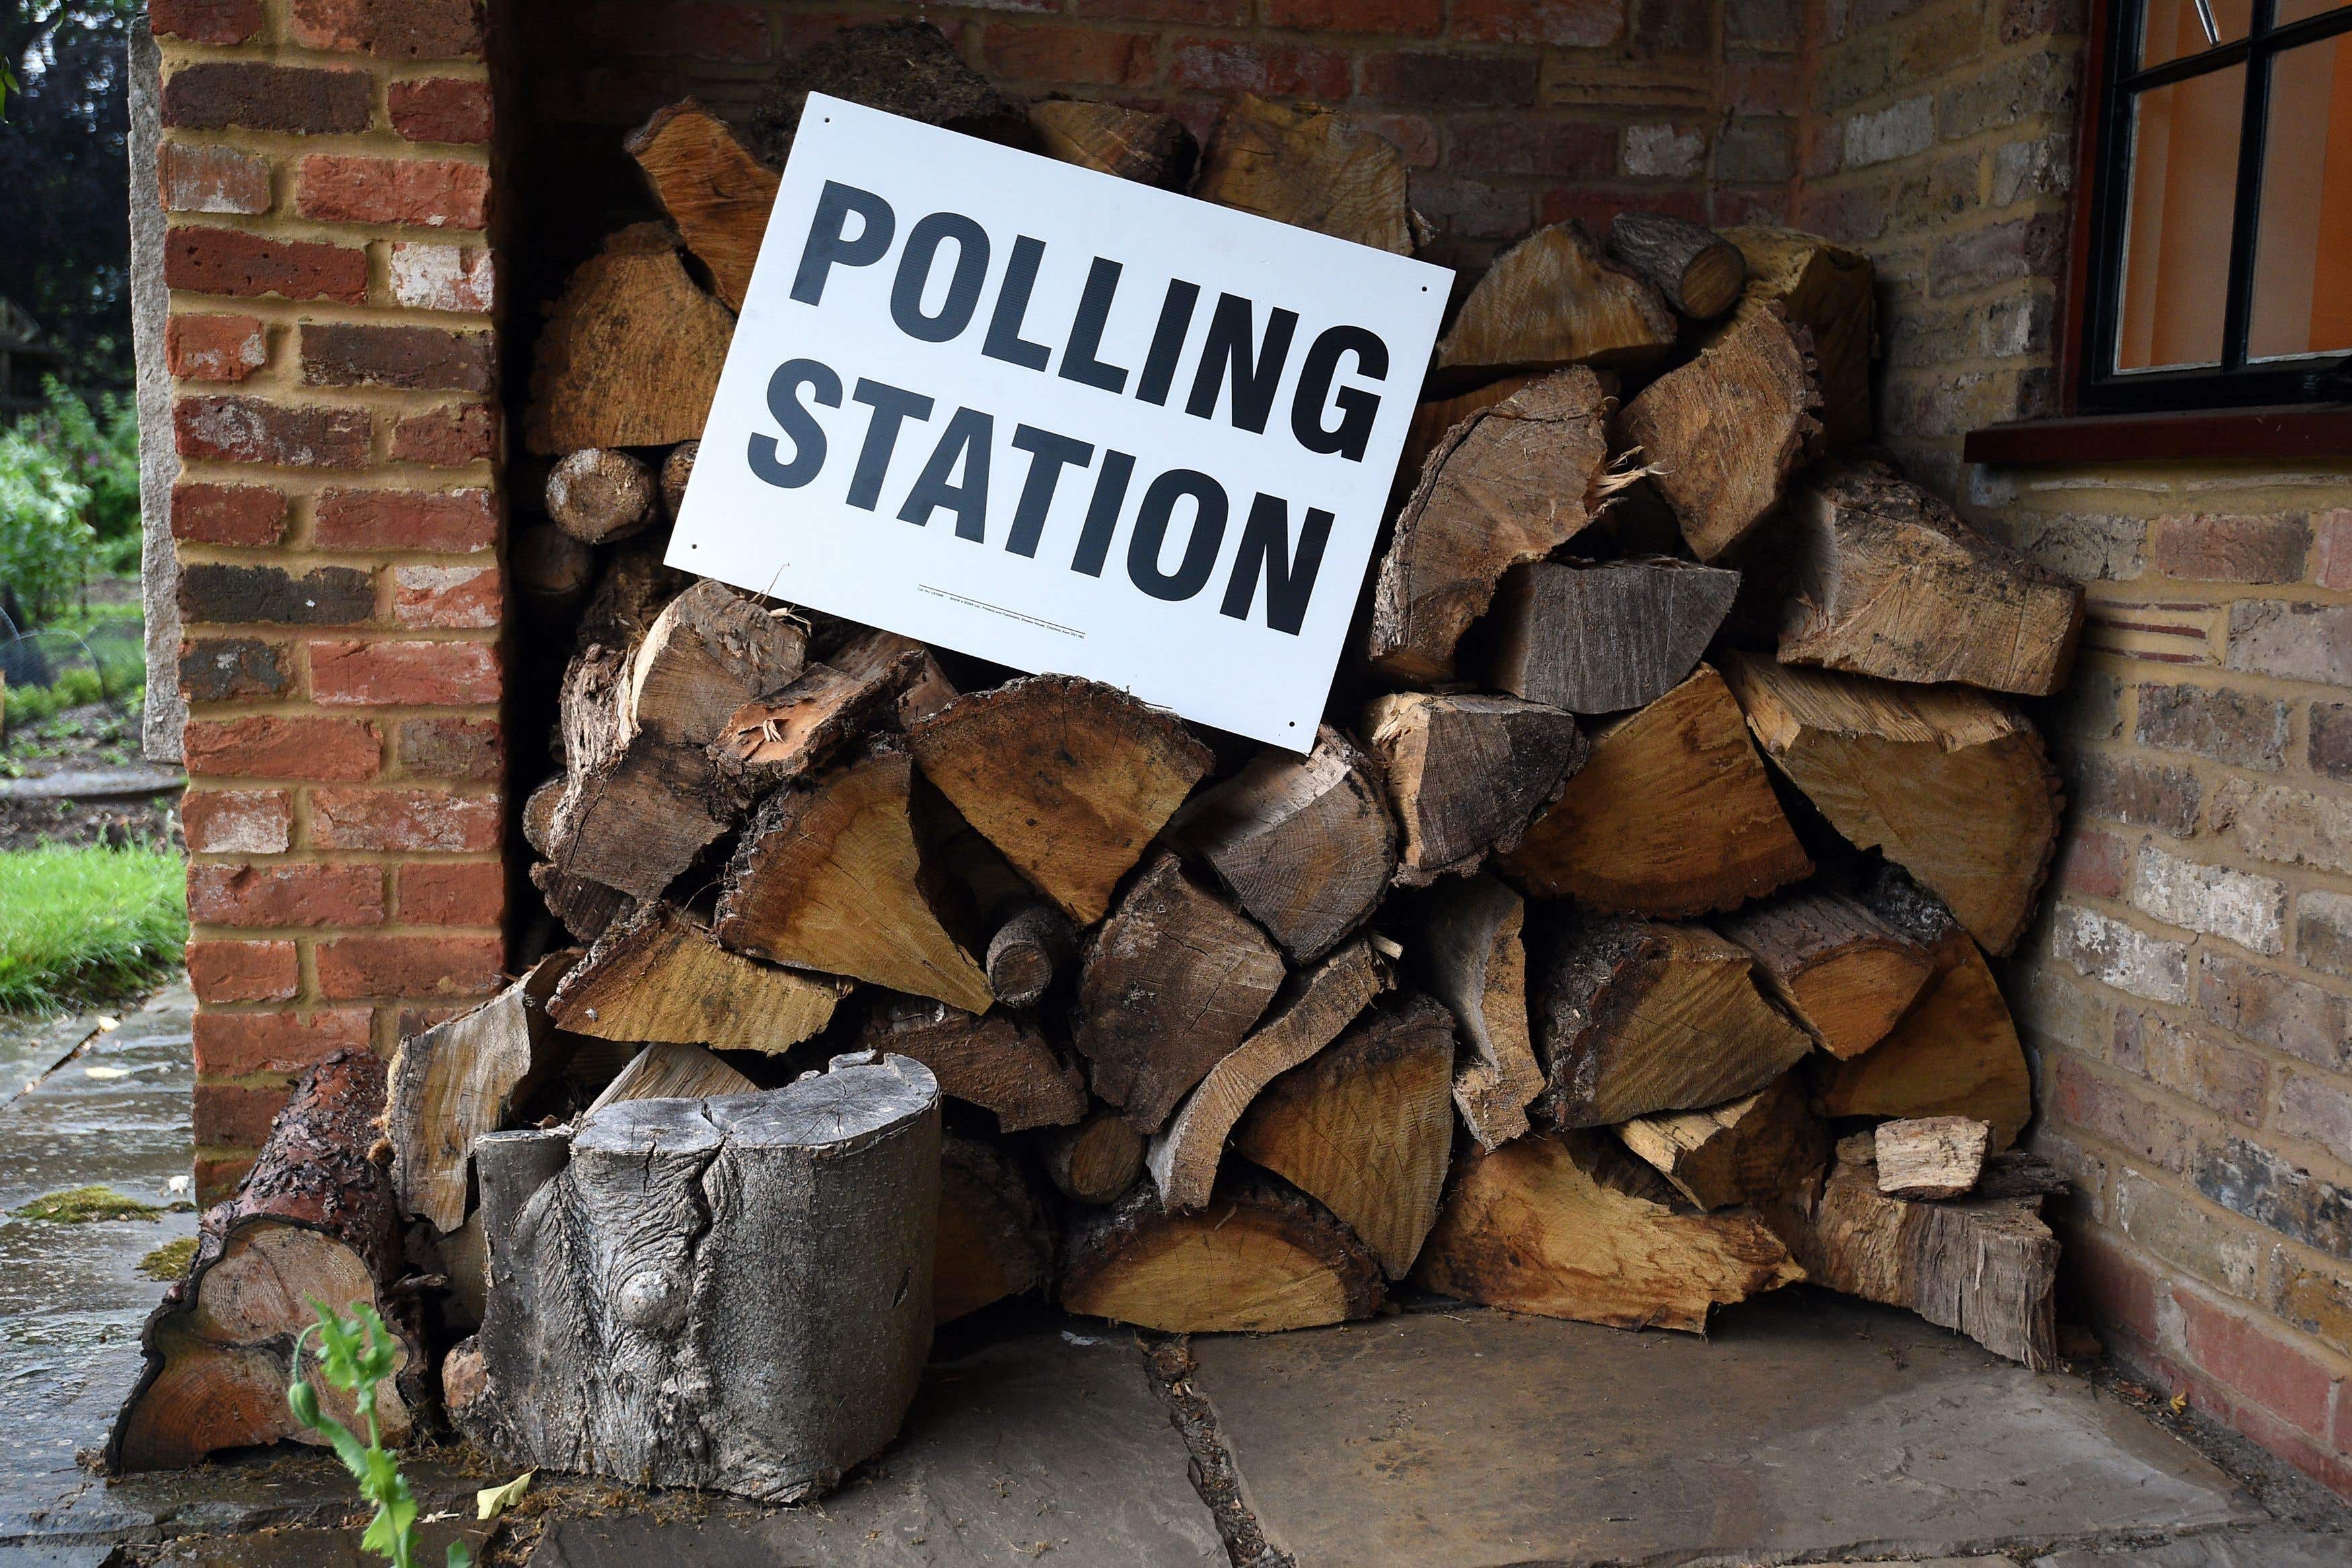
2314, 430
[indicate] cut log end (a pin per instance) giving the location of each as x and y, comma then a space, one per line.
1259, 1257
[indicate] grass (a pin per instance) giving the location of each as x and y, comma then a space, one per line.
85, 925
84, 1206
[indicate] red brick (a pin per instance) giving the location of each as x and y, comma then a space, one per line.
1414, 136
454, 520
2257, 1361
214, 348
435, 277
395, 30
472, 893
215, 95
218, 1176
230, 261
195, 178
404, 674
230, 1117
447, 437
442, 108
221, 670
2097, 1273
2117, 1116
1569, 24
221, 593
445, 598
1424, 18
237, 821
414, 359
241, 972
205, 21
2331, 549
450, 748
1033, 51
694, 29
332, 750
411, 966
1516, 146
275, 894
248, 430
1450, 80
1192, 12
286, 1045
2093, 863
435, 193
1236, 65
252, 515
2231, 549
412, 819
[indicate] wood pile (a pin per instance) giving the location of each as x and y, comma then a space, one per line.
1632, 866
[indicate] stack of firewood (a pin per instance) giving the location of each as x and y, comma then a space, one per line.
1670, 802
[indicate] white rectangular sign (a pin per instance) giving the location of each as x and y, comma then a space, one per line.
1060, 420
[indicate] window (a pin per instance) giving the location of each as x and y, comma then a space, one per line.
2220, 266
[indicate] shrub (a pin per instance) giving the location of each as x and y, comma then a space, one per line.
48, 549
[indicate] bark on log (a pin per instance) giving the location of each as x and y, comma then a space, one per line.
315, 1217
1306, 165
1671, 814
1068, 777
999, 1062
1095, 1161
1030, 949
1510, 483
902, 68
663, 976
1826, 289
1364, 1128
598, 495
632, 353
670, 1070
1313, 1008
1721, 435
1761, 1148
792, 730
1132, 144
1888, 581
587, 910
716, 194
651, 1313
1304, 844
1845, 974
1169, 985
677, 471
1259, 1259
1553, 300
1566, 1225
553, 569
993, 1238
1633, 1016
1606, 637
1930, 1156
1466, 774
1699, 272
1470, 955
1950, 784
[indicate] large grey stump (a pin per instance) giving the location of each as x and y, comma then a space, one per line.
732, 1293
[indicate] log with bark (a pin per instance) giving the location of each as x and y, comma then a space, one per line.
1132, 144
314, 1219
716, 194
1827, 289
789, 733
598, 495
1607, 636
1303, 164
1260, 1256
632, 353
676, 472
1095, 1161
1699, 272
999, 1061
906, 67
554, 571
1027, 951
1555, 299
661, 975
1846, 975
1466, 774
1671, 814
1468, 954
1930, 1156
1761, 1148
994, 1240
1950, 784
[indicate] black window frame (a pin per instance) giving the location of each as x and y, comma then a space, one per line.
2234, 384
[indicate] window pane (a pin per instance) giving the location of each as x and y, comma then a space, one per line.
2184, 180
2296, 10
2303, 255
2170, 31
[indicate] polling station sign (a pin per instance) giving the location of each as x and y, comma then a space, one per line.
1060, 420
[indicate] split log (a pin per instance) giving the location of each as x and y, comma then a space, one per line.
929, 691
1671, 814
1950, 783
1131, 144
1068, 777
1306, 844
1259, 1259
650, 1315
587, 910
716, 194
1095, 1161
671, 1070
676, 470
598, 495
664, 977
1433, 417
1363, 1127
791, 732
1844, 974
1761, 1148
1510, 483
1566, 1225
1986, 1268
1313, 1010
553, 569
1553, 300
1888, 581
1168, 985
460, 1080
1699, 272
1826, 289
1634, 1016
842, 876
709, 651
1930, 1156
1303, 164
1032, 946
315, 1219
903, 68
1606, 637
631, 593
999, 1062
539, 815
632, 353
993, 1238
1466, 774
1469, 955
1956, 1052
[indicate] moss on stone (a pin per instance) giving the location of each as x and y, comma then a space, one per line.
80, 1205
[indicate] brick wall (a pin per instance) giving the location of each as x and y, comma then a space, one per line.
325, 169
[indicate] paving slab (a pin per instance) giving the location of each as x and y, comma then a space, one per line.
1048, 1444
2271, 1548
1807, 1426
134, 782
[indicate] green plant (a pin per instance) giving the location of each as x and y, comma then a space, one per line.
81, 924
47, 548
356, 1354
100, 448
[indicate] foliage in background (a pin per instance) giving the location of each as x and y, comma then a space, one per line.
356, 1353
100, 448
69, 499
80, 925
